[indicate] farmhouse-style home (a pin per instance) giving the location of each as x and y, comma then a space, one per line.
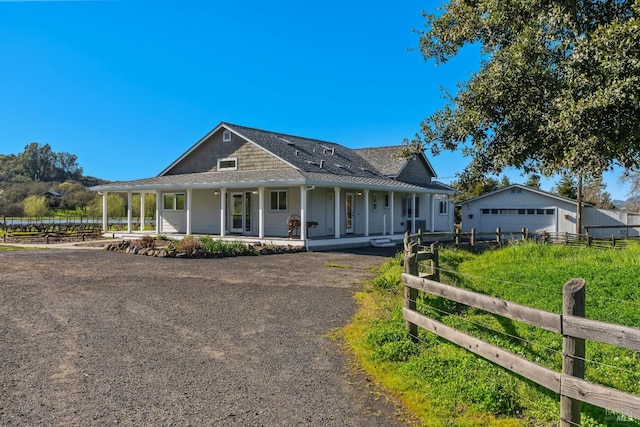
517, 206
249, 184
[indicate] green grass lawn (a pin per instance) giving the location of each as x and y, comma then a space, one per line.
446, 385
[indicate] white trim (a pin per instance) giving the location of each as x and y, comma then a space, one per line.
228, 159
129, 211
226, 135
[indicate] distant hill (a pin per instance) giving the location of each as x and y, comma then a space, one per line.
620, 204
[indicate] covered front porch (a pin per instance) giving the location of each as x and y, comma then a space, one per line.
306, 215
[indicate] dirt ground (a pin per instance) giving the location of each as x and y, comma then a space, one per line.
90, 337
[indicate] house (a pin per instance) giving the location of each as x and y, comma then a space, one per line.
517, 206
249, 184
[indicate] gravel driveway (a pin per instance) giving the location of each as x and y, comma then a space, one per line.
89, 337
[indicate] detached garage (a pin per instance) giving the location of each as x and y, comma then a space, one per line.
517, 206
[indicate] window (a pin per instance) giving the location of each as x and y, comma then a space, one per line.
374, 201
387, 201
226, 136
444, 207
278, 200
174, 201
516, 191
486, 211
550, 211
228, 164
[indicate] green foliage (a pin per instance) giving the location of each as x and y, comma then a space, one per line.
213, 246
557, 89
458, 386
39, 169
567, 187
389, 277
35, 206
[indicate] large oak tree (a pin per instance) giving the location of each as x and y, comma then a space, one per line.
557, 91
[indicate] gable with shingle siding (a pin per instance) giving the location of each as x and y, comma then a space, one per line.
205, 156
415, 172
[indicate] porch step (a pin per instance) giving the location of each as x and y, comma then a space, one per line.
382, 243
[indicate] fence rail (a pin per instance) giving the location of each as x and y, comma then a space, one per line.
500, 237
47, 231
571, 324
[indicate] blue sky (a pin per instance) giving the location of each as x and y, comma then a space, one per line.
130, 85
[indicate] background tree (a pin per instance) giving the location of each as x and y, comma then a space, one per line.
504, 182
35, 206
566, 187
533, 181
557, 90
41, 163
594, 192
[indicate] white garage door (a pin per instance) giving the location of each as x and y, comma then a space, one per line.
514, 219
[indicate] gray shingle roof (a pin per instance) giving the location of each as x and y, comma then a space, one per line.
309, 155
315, 162
384, 159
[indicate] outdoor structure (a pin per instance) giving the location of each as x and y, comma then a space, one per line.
517, 206
249, 184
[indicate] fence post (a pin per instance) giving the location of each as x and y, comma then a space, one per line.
420, 236
472, 238
498, 237
410, 295
613, 241
435, 263
573, 351
456, 238
4, 226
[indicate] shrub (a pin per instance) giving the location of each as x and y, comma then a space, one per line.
188, 245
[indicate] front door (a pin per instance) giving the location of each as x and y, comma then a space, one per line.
348, 220
240, 212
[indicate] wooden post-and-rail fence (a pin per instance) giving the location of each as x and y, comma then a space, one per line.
571, 324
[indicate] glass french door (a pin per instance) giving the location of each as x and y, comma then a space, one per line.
240, 212
348, 222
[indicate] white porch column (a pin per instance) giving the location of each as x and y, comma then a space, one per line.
366, 213
223, 210
261, 212
142, 209
303, 213
336, 219
433, 212
158, 211
391, 204
129, 211
413, 213
105, 217
189, 194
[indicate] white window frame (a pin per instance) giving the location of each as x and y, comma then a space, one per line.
444, 207
277, 207
228, 168
387, 201
226, 136
374, 201
174, 201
